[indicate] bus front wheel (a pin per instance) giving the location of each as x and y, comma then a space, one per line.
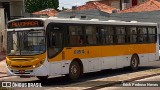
134, 62
74, 70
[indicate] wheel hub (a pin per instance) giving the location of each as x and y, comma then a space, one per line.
134, 62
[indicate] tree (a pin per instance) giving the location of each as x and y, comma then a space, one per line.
37, 5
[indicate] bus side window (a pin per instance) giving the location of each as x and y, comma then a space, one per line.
75, 36
91, 33
106, 35
103, 37
152, 34
120, 32
142, 34
80, 39
133, 34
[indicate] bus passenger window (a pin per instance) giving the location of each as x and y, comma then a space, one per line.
132, 34
107, 35
80, 39
152, 34
110, 35
142, 34
75, 35
120, 32
103, 33
91, 33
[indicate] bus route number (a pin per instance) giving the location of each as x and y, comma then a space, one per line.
79, 51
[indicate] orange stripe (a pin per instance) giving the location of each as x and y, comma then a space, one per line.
104, 51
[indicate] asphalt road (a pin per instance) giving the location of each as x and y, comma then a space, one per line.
151, 83
62, 81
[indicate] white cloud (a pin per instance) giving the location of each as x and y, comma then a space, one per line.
77, 4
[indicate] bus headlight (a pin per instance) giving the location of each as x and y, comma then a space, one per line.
39, 63
33, 66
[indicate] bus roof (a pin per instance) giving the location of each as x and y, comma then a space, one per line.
97, 21
43, 19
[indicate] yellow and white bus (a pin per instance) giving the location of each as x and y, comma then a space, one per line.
55, 46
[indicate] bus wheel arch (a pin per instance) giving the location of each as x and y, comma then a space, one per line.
78, 66
134, 62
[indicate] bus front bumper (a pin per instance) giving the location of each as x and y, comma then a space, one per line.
39, 71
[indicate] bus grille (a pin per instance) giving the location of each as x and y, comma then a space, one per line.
26, 71
21, 66
21, 59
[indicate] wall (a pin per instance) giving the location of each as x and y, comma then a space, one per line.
115, 3
16, 8
2, 30
126, 4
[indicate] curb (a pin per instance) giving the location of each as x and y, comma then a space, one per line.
120, 82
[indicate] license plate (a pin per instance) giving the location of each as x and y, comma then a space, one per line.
21, 71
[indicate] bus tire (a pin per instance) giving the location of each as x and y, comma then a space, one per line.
74, 70
42, 78
134, 63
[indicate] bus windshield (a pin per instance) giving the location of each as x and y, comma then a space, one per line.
29, 42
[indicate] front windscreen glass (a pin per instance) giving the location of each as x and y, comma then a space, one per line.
29, 42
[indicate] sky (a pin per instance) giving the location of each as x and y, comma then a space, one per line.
70, 3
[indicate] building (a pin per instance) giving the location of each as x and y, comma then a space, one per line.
13, 9
10, 9
96, 5
150, 5
46, 12
121, 4
2, 29
84, 14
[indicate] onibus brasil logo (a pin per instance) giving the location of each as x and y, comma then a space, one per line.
18, 84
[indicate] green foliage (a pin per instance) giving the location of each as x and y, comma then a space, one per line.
37, 5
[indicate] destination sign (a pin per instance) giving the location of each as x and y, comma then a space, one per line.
25, 24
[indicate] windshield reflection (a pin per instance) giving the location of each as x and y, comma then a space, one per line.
29, 42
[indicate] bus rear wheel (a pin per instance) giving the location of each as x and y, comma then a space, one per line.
42, 78
134, 62
74, 70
